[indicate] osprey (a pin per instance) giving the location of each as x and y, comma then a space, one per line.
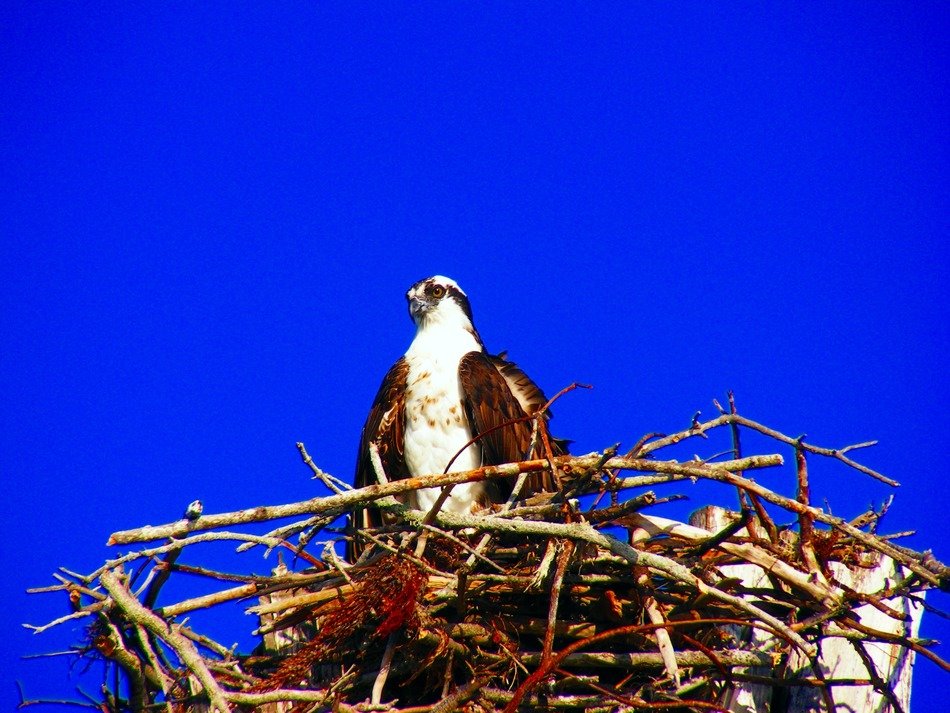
443, 394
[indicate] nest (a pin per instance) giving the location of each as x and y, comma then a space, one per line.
578, 600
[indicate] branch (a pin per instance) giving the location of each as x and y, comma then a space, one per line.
340, 503
186, 650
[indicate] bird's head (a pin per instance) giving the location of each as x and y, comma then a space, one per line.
439, 300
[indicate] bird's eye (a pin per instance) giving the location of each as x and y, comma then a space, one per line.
437, 291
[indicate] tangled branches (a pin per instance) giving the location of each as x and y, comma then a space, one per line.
575, 600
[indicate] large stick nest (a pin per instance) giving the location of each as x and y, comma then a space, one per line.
575, 600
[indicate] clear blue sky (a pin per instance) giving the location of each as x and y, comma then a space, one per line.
210, 214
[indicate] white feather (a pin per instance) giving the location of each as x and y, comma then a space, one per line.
436, 425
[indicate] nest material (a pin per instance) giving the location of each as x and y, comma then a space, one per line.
576, 601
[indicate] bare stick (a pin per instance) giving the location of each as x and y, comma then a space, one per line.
384, 667
342, 502
182, 646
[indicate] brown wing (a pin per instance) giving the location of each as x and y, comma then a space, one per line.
526, 391
384, 425
493, 408
529, 395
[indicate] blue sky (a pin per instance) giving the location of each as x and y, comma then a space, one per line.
210, 216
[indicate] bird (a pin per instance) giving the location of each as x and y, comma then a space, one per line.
448, 403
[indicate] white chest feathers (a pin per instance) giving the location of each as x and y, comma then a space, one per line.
436, 426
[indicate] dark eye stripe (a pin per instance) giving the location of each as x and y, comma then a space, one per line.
459, 296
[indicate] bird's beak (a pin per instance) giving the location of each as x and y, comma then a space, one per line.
418, 306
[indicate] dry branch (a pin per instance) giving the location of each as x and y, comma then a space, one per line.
343, 502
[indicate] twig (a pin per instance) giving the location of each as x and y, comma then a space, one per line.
182, 647
332, 482
61, 620
806, 523
566, 550
337, 504
880, 685
653, 659
384, 667
208, 600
